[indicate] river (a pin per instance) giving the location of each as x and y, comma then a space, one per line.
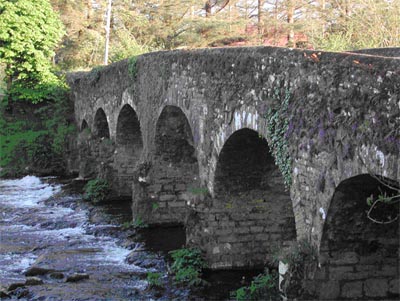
50, 233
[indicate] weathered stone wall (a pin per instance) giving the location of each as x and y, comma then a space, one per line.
359, 259
343, 120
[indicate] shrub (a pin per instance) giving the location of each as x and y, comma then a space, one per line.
96, 190
34, 137
263, 287
187, 266
154, 279
139, 223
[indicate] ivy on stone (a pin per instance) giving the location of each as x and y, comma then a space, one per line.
132, 69
278, 125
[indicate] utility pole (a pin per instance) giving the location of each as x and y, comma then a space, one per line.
108, 24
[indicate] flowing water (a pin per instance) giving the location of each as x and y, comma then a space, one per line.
43, 227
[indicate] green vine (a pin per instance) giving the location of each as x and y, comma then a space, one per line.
278, 124
132, 70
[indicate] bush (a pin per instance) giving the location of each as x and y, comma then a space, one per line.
34, 137
262, 287
96, 190
187, 267
154, 279
139, 223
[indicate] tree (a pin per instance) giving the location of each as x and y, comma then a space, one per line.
29, 33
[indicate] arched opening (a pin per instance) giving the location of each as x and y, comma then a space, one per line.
360, 257
86, 163
245, 164
102, 147
129, 146
174, 141
84, 125
250, 194
101, 129
175, 167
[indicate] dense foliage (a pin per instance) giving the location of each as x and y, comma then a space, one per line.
34, 138
96, 190
154, 279
29, 34
149, 25
187, 266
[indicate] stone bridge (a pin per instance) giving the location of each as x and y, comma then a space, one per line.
253, 149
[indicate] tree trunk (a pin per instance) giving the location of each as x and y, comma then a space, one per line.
108, 23
89, 9
290, 21
260, 21
207, 8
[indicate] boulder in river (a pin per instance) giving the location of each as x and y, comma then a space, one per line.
36, 271
56, 275
14, 286
3, 293
33, 281
77, 277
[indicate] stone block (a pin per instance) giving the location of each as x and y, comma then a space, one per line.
256, 229
262, 237
167, 197
180, 187
346, 258
329, 290
168, 188
320, 274
176, 204
338, 272
242, 230
389, 270
154, 188
352, 290
376, 287
372, 259
394, 286
223, 232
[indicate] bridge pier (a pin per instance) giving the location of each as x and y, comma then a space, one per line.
172, 178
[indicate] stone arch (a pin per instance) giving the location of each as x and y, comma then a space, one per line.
175, 169
243, 162
359, 258
101, 128
174, 139
87, 165
84, 125
129, 146
250, 194
102, 148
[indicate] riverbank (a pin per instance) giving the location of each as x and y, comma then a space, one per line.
57, 246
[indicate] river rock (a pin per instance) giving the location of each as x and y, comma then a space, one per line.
21, 292
56, 275
14, 286
36, 271
77, 277
33, 281
3, 293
